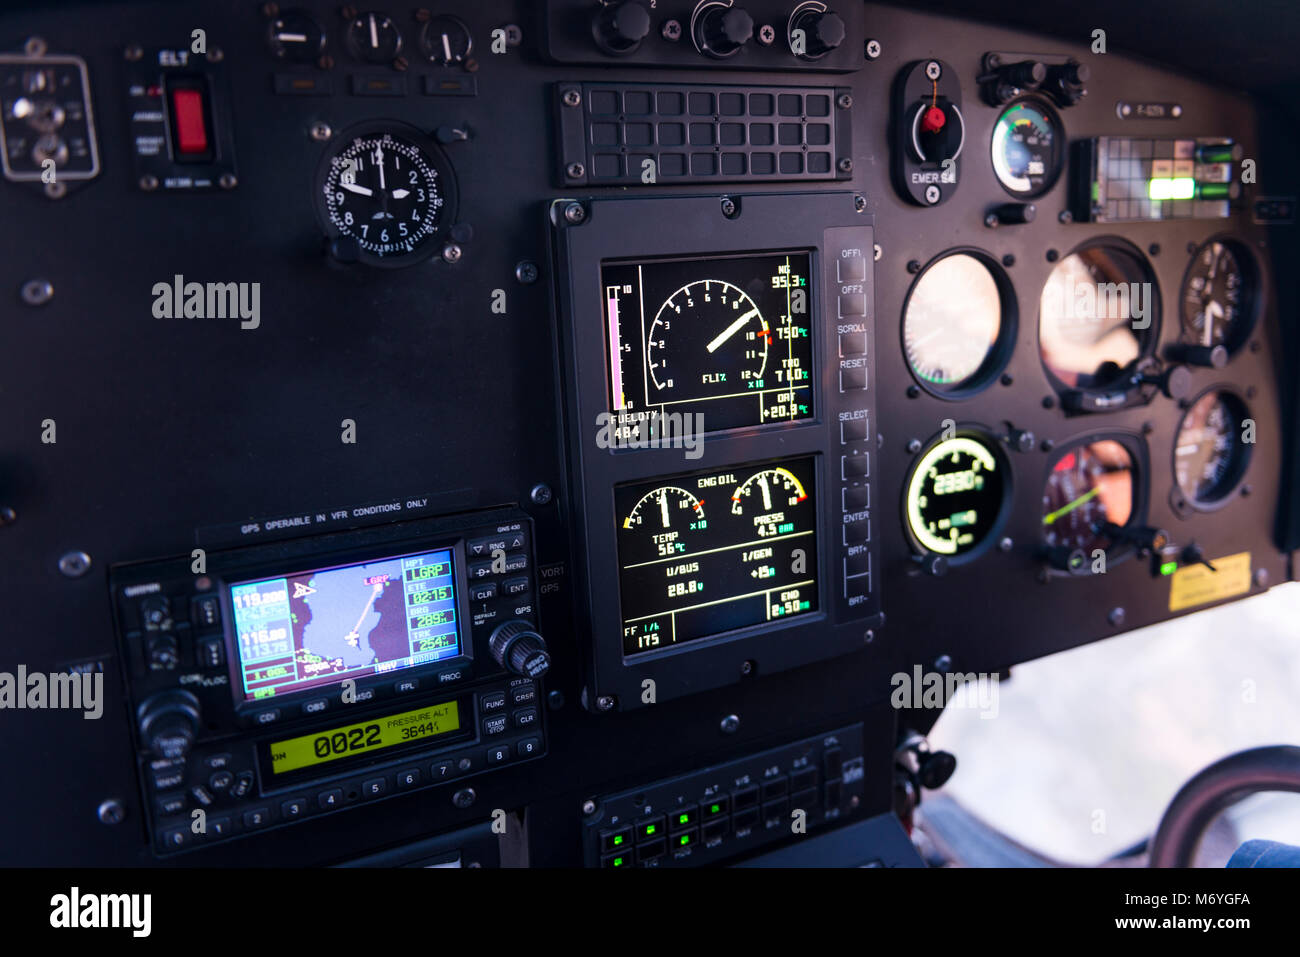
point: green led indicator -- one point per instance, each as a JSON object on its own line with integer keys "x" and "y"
{"x": 683, "y": 819}
{"x": 618, "y": 862}
{"x": 618, "y": 840}
{"x": 1164, "y": 187}
{"x": 684, "y": 839}
{"x": 714, "y": 809}
{"x": 650, "y": 829}
{"x": 1168, "y": 568}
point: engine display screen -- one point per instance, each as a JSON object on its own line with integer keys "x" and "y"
{"x": 318, "y": 627}
{"x": 710, "y": 552}
{"x": 364, "y": 737}
{"x": 726, "y": 339}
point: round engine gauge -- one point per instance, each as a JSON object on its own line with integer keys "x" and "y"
{"x": 1212, "y": 448}
{"x": 713, "y": 329}
{"x": 958, "y": 323}
{"x": 1218, "y": 296}
{"x": 1028, "y": 148}
{"x": 1098, "y": 315}
{"x": 1089, "y": 486}
{"x": 957, "y": 496}
{"x": 385, "y": 191}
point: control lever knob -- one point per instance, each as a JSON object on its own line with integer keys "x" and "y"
{"x": 823, "y": 32}
{"x": 1175, "y": 382}
{"x": 722, "y": 31}
{"x": 518, "y": 648}
{"x": 169, "y": 723}
{"x": 1213, "y": 357}
{"x": 619, "y": 27}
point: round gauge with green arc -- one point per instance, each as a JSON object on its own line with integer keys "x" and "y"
{"x": 957, "y": 495}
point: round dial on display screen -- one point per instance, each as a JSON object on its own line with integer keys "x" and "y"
{"x": 712, "y": 328}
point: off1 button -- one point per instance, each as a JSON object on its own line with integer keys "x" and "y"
{"x": 852, "y": 269}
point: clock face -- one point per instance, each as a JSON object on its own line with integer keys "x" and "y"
{"x": 388, "y": 191}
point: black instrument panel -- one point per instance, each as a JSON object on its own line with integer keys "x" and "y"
{"x": 778, "y": 429}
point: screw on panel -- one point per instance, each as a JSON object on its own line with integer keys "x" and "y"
{"x": 1007, "y": 379}
{"x": 1154, "y": 249}
{"x": 1049, "y": 402}
{"x": 914, "y": 266}
{"x": 914, "y": 446}
{"x": 1047, "y": 445}
{"x": 766, "y": 35}
{"x": 74, "y": 564}
{"x": 1261, "y": 578}
{"x": 133, "y": 52}
{"x": 451, "y": 253}
{"x": 111, "y": 811}
{"x": 7, "y": 516}
{"x": 871, "y": 49}
{"x": 575, "y": 171}
{"x": 216, "y": 55}
{"x": 56, "y": 190}
{"x": 747, "y": 667}
{"x": 526, "y": 272}
{"x": 729, "y": 208}
{"x": 540, "y": 494}
{"x": 860, "y": 204}
{"x": 572, "y": 97}
{"x": 1116, "y": 617}
{"x": 671, "y": 31}
{"x": 148, "y": 182}
{"x": 1006, "y": 544}
{"x": 400, "y": 64}
{"x": 932, "y": 194}
{"x": 37, "y": 292}
{"x": 845, "y": 165}
{"x": 869, "y": 637}
{"x": 1008, "y": 260}
{"x": 877, "y": 252}
{"x": 555, "y": 700}
{"x": 325, "y": 62}
{"x": 35, "y": 46}
{"x": 605, "y": 703}
{"x": 844, "y": 101}
{"x": 464, "y": 798}
{"x": 933, "y": 71}
{"x": 514, "y": 34}
{"x": 943, "y": 664}
{"x": 730, "y": 724}
{"x": 1053, "y": 255}
{"x": 992, "y": 221}
{"x": 228, "y": 181}
{"x": 913, "y": 391}
{"x": 1065, "y": 217}
{"x": 574, "y": 213}
{"x": 320, "y": 132}
{"x": 588, "y": 807}
{"x": 270, "y": 9}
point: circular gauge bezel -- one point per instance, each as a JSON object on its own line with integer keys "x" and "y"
{"x": 1251, "y": 276}
{"x": 359, "y": 51}
{"x": 1150, "y": 336}
{"x": 432, "y": 54}
{"x": 1240, "y": 466}
{"x": 435, "y": 157}
{"x": 982, "y": 436}
{"x": 1050, "y": 178}
{"x": 999, "y": 354}
{"x": 1140, "y": 457}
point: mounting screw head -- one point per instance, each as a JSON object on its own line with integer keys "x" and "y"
{"x": 540, "y": 494}
{"x": 588, "y": 807}
{"x": 844, "y": 101}
{"x": 845, "y": 165}
{"x": 943, "y": 664}
{"x": 575, "y": 171}
{"x": 451, "y": 253}
{"x": 872, "y": 49}
{"x": 574, "y": 213}
{"x": 572, "y": 97}
{"x": 605, "y": 703}
{"x": 37, "y": 292}
{"x": 914, "y": 446}
{"x": 526, "y": 272}
{"x": 74, "y": 564}
{"x": 671, "y": 30}
{"x": 730, "y": 724}
{"x": 111, "y": 811}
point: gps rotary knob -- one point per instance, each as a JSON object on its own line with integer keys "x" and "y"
{"x": 722, "y": 29}
{"x": 823, "y": 31}
{"x": 169, "y": 723}
{"x": 518, "y": 648}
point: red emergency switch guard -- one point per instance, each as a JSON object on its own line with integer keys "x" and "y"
{"x": 190, "y": 123}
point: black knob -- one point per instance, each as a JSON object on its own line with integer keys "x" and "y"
{"x": 519, "y": 649}
{"x": 1013, "y": 214}
{"x": 619, "y": 27}
{"x": 823, "y": 31}
{"x": 1214, "y": 357}
{"x": 931, "y": 564}
{"x": 169, "y": 723}
{"x": 1026, "y": 73}
{"x": 1066, "y": 82}
{"x": 936, "y": 768}
{"x": 1175, "y": 382}
{"x": 1072, "y": 560}
{"x": 722, "y": 31}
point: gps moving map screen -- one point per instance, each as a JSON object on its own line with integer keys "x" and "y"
{"x": 319, "y": 627}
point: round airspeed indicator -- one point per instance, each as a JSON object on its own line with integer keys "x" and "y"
{"x": 383, "y": 194}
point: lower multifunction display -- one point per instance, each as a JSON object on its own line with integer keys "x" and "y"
{"x": 725, "y": 338}
{"x": 719, "y": 812}
{"x": 299, "y": 678}
{"x": 714, "y": 551}
{"x": 317, "y": 627}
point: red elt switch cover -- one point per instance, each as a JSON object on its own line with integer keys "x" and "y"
{"x": 191, "y": 130}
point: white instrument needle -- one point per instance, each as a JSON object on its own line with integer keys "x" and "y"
{"x": 730, "y": 331}
{"x": 360, "y": 190}
{"x": 663, "y": 507}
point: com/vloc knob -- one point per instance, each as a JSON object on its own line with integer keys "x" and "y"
{"x": 720, "y": 28}
{"x": 814, "y": 30}
{"x": 168, "y": 723}
{"x": 518, "y": 648}
{"x": 619, "y": 27}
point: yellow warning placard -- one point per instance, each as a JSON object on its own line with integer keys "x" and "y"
{"x": 1197, "y": 585}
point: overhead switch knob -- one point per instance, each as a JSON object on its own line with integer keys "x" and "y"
{"x": 721, "y": 31}
{"x": 518, "y": 648}
{"x": 168, "y": 723}
{"x": 823, "y": 31}
{"x": 620, "y": 27}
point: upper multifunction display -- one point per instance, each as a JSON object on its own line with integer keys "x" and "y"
{"x": 714, "y": 551}
{"x": 726, "y": 339}
{"x": 321, "y": 626}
